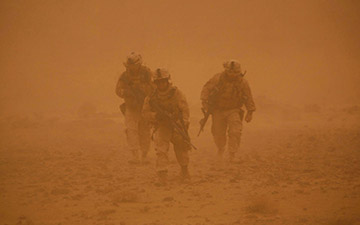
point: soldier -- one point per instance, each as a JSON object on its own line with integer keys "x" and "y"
{"x": 133, "y": 86}
{"x": 223, "y": 97}
{"x": 168, "y": 110}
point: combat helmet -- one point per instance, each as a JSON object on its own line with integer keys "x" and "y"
{"x": 233, "y": 66}
{"x": 133, "y": 58}
{"x": 161, "y": 74}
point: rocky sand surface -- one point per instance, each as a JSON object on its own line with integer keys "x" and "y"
{"x": 76, "y": 171}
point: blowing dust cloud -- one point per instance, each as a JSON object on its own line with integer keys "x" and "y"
{"x": 179, "y": 112}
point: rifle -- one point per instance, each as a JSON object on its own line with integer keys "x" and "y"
{"x": 207, "y": 113}
{"x": 178, "y": 127}
{"x": 203, "y": 120}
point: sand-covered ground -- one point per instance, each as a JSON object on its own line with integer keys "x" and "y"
{"x": 300, "y": 169}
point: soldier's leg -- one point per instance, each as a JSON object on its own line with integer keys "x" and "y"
{"x": 132, "y": 118}
{"x": 162, "y": 143}
{"x": 182, "y": 154}
{"x": 144, "y": 138}
{"x": 234, "y": 133}
{"x": 218, "y": 129}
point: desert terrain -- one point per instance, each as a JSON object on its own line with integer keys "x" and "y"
{"x": 294, "y": 167}
{"x": 63, "y": 151}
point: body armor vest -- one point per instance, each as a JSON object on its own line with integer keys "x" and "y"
{"x": 166, "y": 101}
{"x": 229, "y": 94}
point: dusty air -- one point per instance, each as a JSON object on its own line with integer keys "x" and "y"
{"x": 179, "y": 112}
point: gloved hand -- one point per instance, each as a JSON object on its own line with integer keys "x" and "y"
{"x": 205, "y": 106}
{"x": 202, "y": 121}
{"x": 248, "y": 116}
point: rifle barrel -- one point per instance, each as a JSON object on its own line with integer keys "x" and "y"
{"x": 180, "y": 130}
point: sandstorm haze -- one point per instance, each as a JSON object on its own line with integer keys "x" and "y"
{"x": 56, "y": 55}
{"x": 64, "y": 155}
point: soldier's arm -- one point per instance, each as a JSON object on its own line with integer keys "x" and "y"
{"x": 207, "y": 89}
{"x": 146, "y": 112}
{"x": 150, "y": 86}
{"x": 248, "y": 98}
{"x": 120, "y": 86}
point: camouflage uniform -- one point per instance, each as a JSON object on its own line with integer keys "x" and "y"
{"x": 225, "y": 98}
{"x": 173, "y": 102}
{"x": 133, "y": 87}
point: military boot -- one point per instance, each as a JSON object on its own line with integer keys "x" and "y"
{"x": 144, "y": 159}
{"x": 231, "y": 157}
{"x": 135, "y": 158}
{"x": 220, "y": 155}
{"x": 162, "y": 178}
{"x": 185, "y": 176}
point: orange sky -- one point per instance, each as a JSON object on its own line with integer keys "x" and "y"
{"x": 55, "y": 55}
